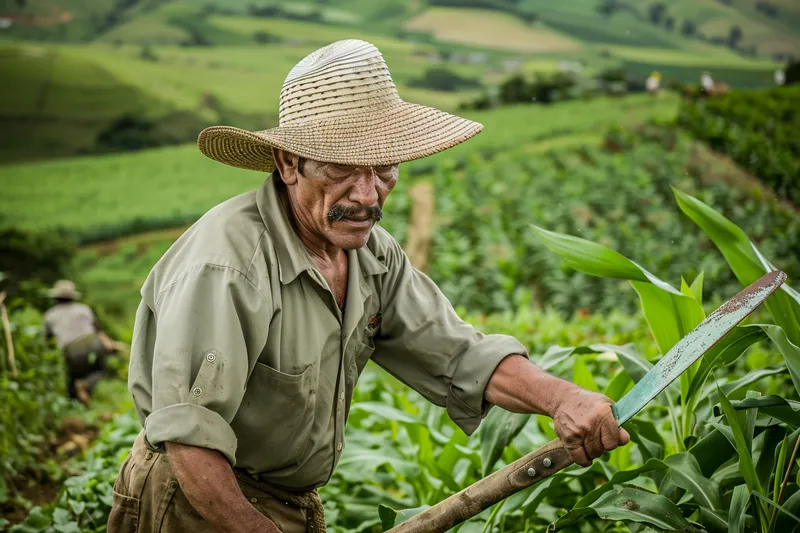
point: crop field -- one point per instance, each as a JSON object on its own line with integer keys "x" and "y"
{"x": 598, "y": 230}
{"x": 489, "y": 29}
{"x": 713, "y": 449}
{"x": 178, "y": 184}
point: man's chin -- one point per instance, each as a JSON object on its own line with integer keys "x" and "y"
{"x": 351, "y": 237}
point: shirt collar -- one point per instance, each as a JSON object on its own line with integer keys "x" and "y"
{"x": 292, "y": 254}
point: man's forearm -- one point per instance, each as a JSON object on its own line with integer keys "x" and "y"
{"x": 209, "y": 484}
{"x": 519, "y": 386}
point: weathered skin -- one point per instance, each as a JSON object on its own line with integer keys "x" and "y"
{"x": 208, "y": 482}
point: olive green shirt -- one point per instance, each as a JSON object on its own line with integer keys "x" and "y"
{"x": 239, "y": 345}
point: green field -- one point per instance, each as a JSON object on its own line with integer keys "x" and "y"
{"x": 175, "y": 185}
{"x": 98, "y": 119}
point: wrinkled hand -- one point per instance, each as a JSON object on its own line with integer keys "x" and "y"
{"x": 586, "y": 426}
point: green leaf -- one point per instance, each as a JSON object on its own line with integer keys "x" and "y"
{"x": 670, "y": 316}
{"x": 553, "y": 356}
{"x": 582, "y": 376}
{"x": 632, "y": 505}
{"x": 385, "y": 411}
{"x": 745, "y": 260}
{"x": 589, "y": 257}
{"x": 61, "y": 516}
{"x": 618, "y": 386}
{"x": 685, "y": 473}
{"x": 789, "y": 350}
{"x": 746, "y": 466}
{"x": 712, "y": 451}
{"x": 780, "y": 508}
{"x": 497, "y": 431}
{"x": 787, "y": 411}
{"x": 619, "y": 477}
{"x": 792, "y": 506}
{"x": 391, "y": 517}
{"x": 738, "y": 508}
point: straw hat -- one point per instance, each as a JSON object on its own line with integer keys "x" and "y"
{"x": 340, "y": 105}
{"x": 64, "y": 289}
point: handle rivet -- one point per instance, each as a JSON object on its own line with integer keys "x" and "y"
{"x": 532, "y": 472}
{"x": 547, "y": 462}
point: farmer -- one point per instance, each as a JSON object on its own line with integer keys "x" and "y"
{"x": 77, "y": 332}
{"x": 254, "y": 327}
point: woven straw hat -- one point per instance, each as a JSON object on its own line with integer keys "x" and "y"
{"x": 340, "y": 105}
{"x": 65, "y": 289}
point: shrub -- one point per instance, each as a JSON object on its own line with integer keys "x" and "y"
{"x": 759, "y": 129}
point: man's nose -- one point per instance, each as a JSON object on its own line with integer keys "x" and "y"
{"x": 364, "y": 191}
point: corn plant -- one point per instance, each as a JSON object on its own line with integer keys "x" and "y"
{"x": 719, "y": 455}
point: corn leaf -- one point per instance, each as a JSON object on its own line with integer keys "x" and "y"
{"x": 685, "y": 473}
{"x": 747, "y": 263}
{"x": 746, "y": 466}
{"x": 738, "y": 508}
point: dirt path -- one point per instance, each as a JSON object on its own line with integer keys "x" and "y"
{"x": 141, "y": 240}
{"x": 420, "y": 224}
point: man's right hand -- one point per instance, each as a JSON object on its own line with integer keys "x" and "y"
{"x": 208, "y": 482}
{"x": 586, "y": 426}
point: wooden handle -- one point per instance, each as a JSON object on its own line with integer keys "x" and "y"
{"x": 486, "y": 492}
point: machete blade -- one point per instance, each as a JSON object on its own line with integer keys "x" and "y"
{"x": 697, "y": 342}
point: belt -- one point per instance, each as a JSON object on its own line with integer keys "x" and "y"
{"x": 308, "y": 500}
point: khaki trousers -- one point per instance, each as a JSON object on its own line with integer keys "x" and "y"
{"x": 148, "y": 499}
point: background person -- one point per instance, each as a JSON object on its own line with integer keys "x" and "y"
{"x": 76, "y": 330}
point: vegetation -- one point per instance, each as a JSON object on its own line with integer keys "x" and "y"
{"x": 33, "y": 396}
{"x": 717, "y": 450}
{"x": 759, "y": 130}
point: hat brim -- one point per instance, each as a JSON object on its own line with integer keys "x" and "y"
{"x": 396, "y": 134}
{"x": 64, "y": 295}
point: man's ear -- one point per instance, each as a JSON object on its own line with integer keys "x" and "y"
{"x": 286, "y": 163}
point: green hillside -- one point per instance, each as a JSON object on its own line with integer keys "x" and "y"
{"x": 108, "y": 76}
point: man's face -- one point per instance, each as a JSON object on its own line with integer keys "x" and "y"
{"x": 339, "y": 204}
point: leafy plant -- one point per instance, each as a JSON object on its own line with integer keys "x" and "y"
{"x": 749, "y": 439}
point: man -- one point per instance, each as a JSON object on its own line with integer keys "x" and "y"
{"x": 79, "y": 335}
{"x": 256, "y": 324}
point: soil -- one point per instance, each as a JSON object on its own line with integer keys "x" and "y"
{"x": 74, "y": 437}
{"x": 420, "y": 224}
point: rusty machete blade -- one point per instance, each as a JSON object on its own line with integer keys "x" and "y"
{"x": 697, "y": 342}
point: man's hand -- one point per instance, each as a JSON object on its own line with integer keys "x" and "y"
{"x": 585, "y": 424}
{"x": 208, "y": 482}
{"x": 583, "y": 419}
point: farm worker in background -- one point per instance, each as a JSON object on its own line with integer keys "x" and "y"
{"x": 79, "y": 335}
{"x": 256, "y": 324}
{"x": 780, "y": 77}
{"x": 653, "y": 83}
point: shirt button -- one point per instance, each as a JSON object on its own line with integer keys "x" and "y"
{"x": 211, "y": 357}
{"x": 197, "y": 391}
{"x": 339, "y": 447}
{"x": 148, "y": 455}
{"x": 173, "y": 484}
{"x": 254, "y": 500}
{"x": 341, "y": 397}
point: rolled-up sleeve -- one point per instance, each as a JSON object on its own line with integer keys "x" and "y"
{"x": 211, "y": 326}
{"x": 424, "y": 343}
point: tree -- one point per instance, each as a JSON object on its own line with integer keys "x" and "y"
{"x": 735, "y": 37}
{"x": 657, "y": 12}
{"x": 670, "y": 23}
{"x": 688, "y": 28}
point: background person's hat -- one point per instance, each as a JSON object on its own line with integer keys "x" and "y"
{"x": 340, "y": 105}
{"x": 64, "y": 289}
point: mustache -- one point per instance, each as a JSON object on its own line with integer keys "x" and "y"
{"x": 340, "y": 212}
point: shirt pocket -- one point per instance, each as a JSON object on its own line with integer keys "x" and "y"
{"x": 283, "y": 405}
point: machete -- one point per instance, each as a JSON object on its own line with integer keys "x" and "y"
{"x": 552, "y": 457}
